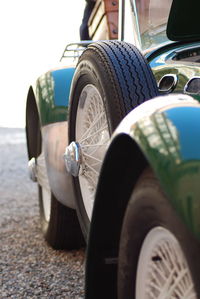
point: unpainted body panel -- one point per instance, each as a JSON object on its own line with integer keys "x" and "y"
{"x": 55, "y": 141}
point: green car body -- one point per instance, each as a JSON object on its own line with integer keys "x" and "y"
{"x": 162, "y": 134}
{"x": 175, "y": 160}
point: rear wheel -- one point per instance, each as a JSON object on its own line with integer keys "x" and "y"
{"x": 111, "y": 79}
{"x": 60, "y": 224}
{"x": 158, "y": 258}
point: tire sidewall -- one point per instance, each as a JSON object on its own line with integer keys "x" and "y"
{"x": 90, "y": 72}
{"x": 147, "y": 209}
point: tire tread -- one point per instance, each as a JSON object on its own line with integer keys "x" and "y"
{"x": 131, "y": 75}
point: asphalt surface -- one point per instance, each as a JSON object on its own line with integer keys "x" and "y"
{"x": 29, "y": 268}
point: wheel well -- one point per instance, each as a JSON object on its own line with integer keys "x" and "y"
{"x": 32, "y": 125}
{"x": 123, "y": 164}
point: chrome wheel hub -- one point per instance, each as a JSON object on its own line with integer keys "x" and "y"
{"x": 73, "y": 158}
{"x": 84, "y": 157}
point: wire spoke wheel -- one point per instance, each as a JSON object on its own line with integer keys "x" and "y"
{"x": 111, "y": 79}
{"x": 162, "y": 269}
{"x": 93, "y": 136}
{"x": 158, "y": 255}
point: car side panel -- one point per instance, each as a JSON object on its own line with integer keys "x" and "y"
{"x": 55, "y": 140}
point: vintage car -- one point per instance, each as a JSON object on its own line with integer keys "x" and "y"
{"x": 114, "y": 145}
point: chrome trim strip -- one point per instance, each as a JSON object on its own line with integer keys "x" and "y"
{"x": 121, "y": 19}
{"x": 187, "y": 85}
{"x": 173, "y": 84}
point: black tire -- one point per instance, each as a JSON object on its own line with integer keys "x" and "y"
{"x": 62, "y": 229}
{"x": 124, "y": 80}
{"x": 149, "y": 209}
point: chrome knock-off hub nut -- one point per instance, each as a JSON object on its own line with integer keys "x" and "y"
{"x": 73, "y": 158}
{"x": 32, "y": 168}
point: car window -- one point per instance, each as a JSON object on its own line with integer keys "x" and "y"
{"x": 152, "y": 20}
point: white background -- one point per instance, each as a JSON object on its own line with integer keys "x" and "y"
{"x": 33, "y": 34}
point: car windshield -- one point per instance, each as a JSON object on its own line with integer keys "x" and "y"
{"x": 152, "y": 21}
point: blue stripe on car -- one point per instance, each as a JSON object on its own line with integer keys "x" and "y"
{"x": 62, "y": 83}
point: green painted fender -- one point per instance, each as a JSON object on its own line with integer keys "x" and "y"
{"x": 167, "y": 130}
{"x": 52, "y": 93}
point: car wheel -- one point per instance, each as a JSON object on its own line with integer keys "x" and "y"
{"x": 159, "y": 257}
{"x": 110, "y": 80}
{"x": 59, "y": 223}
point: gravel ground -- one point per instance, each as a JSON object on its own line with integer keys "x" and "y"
{"x": 29, "y": 268}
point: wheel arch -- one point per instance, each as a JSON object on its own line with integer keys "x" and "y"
{"x": 32, "y": 124}
{"x": 116, "y": 183}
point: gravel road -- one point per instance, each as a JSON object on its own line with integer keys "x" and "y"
{"x": 29, "y": 268}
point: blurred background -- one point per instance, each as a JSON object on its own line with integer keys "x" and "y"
{"x": 32, "y": 39}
